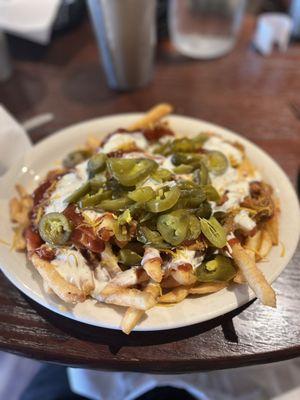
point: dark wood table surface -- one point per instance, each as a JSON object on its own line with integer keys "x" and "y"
{"x": 244, "y": 92}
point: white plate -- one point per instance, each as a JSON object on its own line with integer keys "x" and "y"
{"x": 49, "y": 152}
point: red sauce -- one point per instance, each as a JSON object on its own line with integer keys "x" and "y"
{"x": 233, "y": 241}
{"x": 82, "y": 236}
{"x": 39, "y": 192}
{"x": 33, "y": 239}
{"x": 74, "y": 217}
{"x": 45, "y": 253}
{"x": 185, "y": 267}
{"x": 157, "y": 132}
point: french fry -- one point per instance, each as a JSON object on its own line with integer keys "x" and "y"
{"x": 109, "y": 261}
{"x": 131, "y": 298}
{"x": 127, "y": 278}
{"x": 206, "y": 288}
{"x": 152, "y": 116}
{"x": 19, "y": 242}
{"x": 108, "y": 290}
{"x": 22, "y": 192}
{"x": 239, "y": 278}
{"x": 254, "y": 276}
{"x": 169, "y": 283}
{"x": 92, "y": 143}
{"x": 151, "y": 263}
{"x": 174, "y": 296}
{"x": 63, "y": 289}
{"x": 265, "y": 244}
{"x": 183, "y": 275}
{"x": 253, "y": 244}
{"x": 132, "y": 315}
{"x": 130, "y": 277}
{"x": 272, "y": 225}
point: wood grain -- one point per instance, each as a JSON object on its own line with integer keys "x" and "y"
{"x": 244, "y": 92}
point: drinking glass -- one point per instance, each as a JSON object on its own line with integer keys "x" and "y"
{"x": 205, "y": 28}
{"x": 126, "y": 36}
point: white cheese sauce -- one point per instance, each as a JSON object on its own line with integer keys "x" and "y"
{"x": 72, "y": 266}
{"x": 244, "y": 222}
{"x": 92, "y": 216}
{"x": 65, "y": 187}
{"x": 231, "y": 182}
{"x": 167, "y": 163}
{"x": 120, "y": 141}
{"x": 183, "y": 256}
{"x": 101, "y": 278}
{"x": 219, "y": 144}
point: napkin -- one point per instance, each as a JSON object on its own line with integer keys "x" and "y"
{"x": 31, "y": 19}
{"x": 272, "y": 29}
{"x": 13, "y": 140}
{"x": 259, "y": 382}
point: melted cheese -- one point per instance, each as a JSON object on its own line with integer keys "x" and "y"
{"x": 101, "y": 278}
{"x": 244, "y": 222}
{"x": 167, "y": 163}
{"x": 92, "y": 216}
{"x": 231, "y": 152}
{"x": 71, "y": 265}
{"x": 65, "y": 187}
{"x": 120, "y": 141}
{"x": 235, "y": 186}
{"x": 183, "y": 256}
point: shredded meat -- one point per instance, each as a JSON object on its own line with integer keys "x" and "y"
{"x": 260, "y": 200}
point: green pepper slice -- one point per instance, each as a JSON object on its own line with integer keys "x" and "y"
{"x": 142, "y": 194}
{"x": 213, "y": 231}
{"x": 204, "y": 210}
{"x": 219, "y": 269}
{"x": 211, "y": 193}
{"x": 79, "y": 193}
{"x": 201, "y": 176}
{"x": 96, "y": 164}
{"x": 54, "y": 228}
{"x": 173, "y": 227}
{"x": 183, "y": 169}
{"x": 199, "y": 140}
{"x": 160, "y": 205}
{"x": 94, "y": 199}
{"x": 76, "y": 157}
{"x": 115, "y": 205}
{"x": 194, "y": 228}
{"x": 129, "y": 172}
{"x": 147, "y": 236}
{"x": 97, "y": 182}
{"x": 162, "y": 175}
{"x": 217, "y": 163}
{"x": 129, "y": 258}
{"x": 186, "y": 158}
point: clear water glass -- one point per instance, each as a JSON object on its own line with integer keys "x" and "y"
{"x": 205, "y": 28}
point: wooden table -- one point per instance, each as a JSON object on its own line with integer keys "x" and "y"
{"x": 244, "y": 92}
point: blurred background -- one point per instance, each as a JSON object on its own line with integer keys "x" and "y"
{"x": 64, "y": 61}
